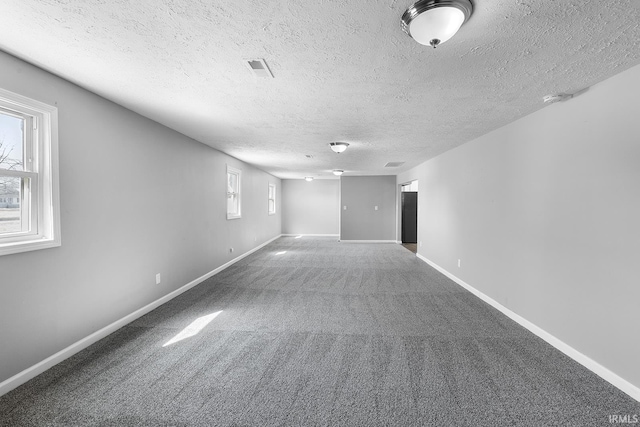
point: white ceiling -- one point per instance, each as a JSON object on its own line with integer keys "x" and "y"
{"x": 344, "y": 70}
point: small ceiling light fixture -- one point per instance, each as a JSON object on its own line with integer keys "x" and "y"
{"x": 338, "y": 147}
{"x": 338, "y": 172}
{"x": 308, "y": 178}
{"x": 433, "y": 22}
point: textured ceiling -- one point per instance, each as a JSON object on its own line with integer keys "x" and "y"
{"x": 344, "y": 70}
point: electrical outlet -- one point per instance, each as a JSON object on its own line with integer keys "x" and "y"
{"x": 230, "y": 250}
{"x": 158, "y": 279}
{"x": 344, "y": 208}
{"x": 420, "y": 243}
{"x": 458, "y": 263}
{"x": 375, "y": 208}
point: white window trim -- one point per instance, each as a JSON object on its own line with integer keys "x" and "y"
{"x": 237, "y": 172}
{"x": 45, "y": 200}
{"x": 269, "y": 199}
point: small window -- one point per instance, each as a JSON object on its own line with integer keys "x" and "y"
{"x": 233, "y": 193}
{"x": 272, "y": 199}
{"x": 29, "y": 209}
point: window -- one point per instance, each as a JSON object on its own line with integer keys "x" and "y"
{"x": 29, "y": 213}
{"x": 272, "y": 199}
{"x": 233, "y": 193}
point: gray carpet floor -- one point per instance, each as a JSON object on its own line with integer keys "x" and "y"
{"x": 312, "y": 332}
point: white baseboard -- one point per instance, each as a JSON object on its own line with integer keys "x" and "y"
{"x": 367, "y": 241}
{"x": 310, "y": 235}
{"x": 585, "y": 361}
{"x": 29, "y": 373}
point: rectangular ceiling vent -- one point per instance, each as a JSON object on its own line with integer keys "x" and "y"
{"x": 259, "y": 67}
{"x": 393, "y": 164}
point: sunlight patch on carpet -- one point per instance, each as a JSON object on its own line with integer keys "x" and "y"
{"x": 193, "y": 329}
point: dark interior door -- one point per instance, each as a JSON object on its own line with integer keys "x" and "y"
{"x": 409, "y": 203}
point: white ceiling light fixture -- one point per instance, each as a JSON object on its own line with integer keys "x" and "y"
{"x": 338, "y": 147}
{"x": 433, "y": 22}
{"x": 338, "y": 172}
{"x": 308, "y": 178}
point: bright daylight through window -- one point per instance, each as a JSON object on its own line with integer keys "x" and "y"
{"x": 233, "y": 193}
{"x": 272, "y": 199}
{"x": 28, "y": 175}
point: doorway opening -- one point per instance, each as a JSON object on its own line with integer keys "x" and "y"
{"x": 409, "y": 215}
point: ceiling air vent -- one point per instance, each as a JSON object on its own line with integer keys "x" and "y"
{"x": 258, "y": 67}
{"x": 393, "y": 164}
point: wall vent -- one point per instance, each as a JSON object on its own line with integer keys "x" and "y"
{"x": 393, "y": 164}
{"x": 259, "y": 67}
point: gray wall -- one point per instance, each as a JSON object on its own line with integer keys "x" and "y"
{"x": 310, "y": 207}
{"x": 544, "y": 214}
{"x": 136, "y": 199}
{"x": 360, "y": 221}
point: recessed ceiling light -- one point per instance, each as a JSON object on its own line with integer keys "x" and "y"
{"x": 338, "y": 147}
{"x": 308, "y": 178}
{"x": 338, "y": 172}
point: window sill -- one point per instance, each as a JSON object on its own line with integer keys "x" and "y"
{"x": 28, "y": 245}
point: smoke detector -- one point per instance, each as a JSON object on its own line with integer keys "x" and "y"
{"x": 550, "y": 99}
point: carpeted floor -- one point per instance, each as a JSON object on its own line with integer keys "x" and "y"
{"x": 312, "y": 332}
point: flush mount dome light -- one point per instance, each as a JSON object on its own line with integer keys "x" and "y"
{"x": 338, "y": 172}
{"x": 433, "y": 22}
{"x": 338, "y": 147}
